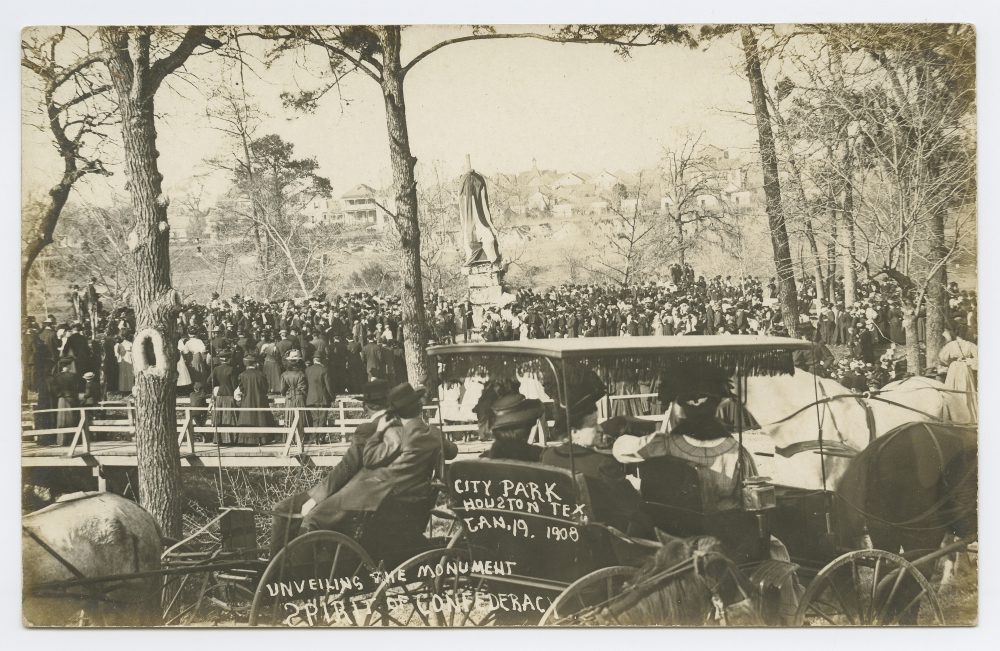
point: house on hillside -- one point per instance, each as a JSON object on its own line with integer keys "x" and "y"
{"x": 540, "y": 199}
{"x": 317, "y": 211}
{"x": 570, "y": 179}
{"x": 362, "y": 207}
{"x": 606, "y": 181}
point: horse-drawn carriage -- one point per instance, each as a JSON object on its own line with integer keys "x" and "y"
{"x": 549, "y": 530}
{"x": 521, "y": 542}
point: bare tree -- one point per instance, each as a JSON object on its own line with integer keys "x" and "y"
{"x": 139, "y": 59}
{"x": 787, "y": 292}
{"x": 90, "y": 241}
{"x": 689, "y": 178}
{"x": 632, "y": 237}
{"x": 75, "y": 111}
{"x": 273, "y": 192}
{"x": 888, "y": 112}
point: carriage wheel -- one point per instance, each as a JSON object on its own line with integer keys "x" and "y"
{"x": 582, "y": 603}
{"x": 423, "y": 591}
{"x": 869, "y": 587}
{"x": 318, "y": 579}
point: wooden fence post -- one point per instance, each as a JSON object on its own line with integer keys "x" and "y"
{"x": 293, "y": 434}
{"x": 341, "y": 418}
{"x": 102, "y": 482}
{"x": 187, "y": 431}
{"x": 81, "y": 433}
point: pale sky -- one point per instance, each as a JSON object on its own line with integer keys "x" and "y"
{"x": 505, "y": 102}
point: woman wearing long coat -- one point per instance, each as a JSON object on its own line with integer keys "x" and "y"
{"x": 294, "y": 388}
{"x": 253, "y": 387}
{"x": 66, "y": 387}
{"x": 223, "y": 380}
{"x": 272, "y": 364}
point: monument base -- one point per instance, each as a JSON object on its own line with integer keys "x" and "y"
{"x": 485, "y": 288}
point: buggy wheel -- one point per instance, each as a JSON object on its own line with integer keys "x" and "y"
{"x": 317, "y": 579}
{"x": 431, "y": 589}
{"x": 869, "y": 587}
{"x": 582, "y": 603}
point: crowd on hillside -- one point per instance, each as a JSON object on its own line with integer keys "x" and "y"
{"x": 870, "y": 333}
{"x": 240, "y": 350}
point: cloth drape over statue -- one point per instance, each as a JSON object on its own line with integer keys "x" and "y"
{"x": 478, "y": 234}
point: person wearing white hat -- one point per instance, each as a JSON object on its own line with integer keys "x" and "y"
{"x": 295, "y": 388}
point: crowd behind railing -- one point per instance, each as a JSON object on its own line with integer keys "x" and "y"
{"x": 239, "y": 359}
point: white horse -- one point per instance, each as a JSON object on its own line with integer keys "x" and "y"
{"x": 90, "y": 535}
{"x": 798, "y": 412}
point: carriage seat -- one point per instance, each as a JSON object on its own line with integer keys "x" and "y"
{"x": 673, "y": 494}
{"x": 397, "y": 529}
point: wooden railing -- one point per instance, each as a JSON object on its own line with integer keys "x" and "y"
{"x": 340, "y": 420}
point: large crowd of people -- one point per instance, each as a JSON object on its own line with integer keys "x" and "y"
{"x": 244, "y": 351}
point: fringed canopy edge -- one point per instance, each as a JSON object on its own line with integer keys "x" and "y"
{"x": 614, "y": 367}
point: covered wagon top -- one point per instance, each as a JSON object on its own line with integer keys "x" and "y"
{"x": 623, "y": 358}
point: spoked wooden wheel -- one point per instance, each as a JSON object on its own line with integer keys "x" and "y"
{"x": 582, "y": 603}
{"x": 869, "y": 587}
{"x": 432, "y": 589}
{"x": 322, "y": 578}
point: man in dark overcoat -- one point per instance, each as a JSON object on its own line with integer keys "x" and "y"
{"x": 285, "y": 527}
{"x": 252, "y": 384}
{"x": 319, "y": 389}
{"x": 398, "y": 460}
{"x": 372, "y": 356}
{"x": 79, "y": 348}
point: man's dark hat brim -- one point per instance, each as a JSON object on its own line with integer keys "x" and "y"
{"x": 405, "y": 395}
{"x": 376, "y": 392}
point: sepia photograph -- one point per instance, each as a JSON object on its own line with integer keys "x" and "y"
{"x": 499, "y": 325}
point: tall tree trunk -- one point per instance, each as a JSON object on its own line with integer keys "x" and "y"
{"x": 787, "y": 295}
{"x": 156, "y": 303}
{"x": 831, "y": 257}
{"x": 817, "y": 269}
{"x": 847, "y": 231}
{"x": 680, "y": 239}
{"x": 937, "y": 288}
{"x": 406, "y": 218}
{"x": 793, "y": 164}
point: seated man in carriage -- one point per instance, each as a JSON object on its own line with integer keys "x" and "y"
{"x": 398, "y": 457}
{"x": 284, "y": 527}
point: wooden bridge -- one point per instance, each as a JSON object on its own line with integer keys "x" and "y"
{"x": 291, "y": 442}
{"x": 85, "y": 444}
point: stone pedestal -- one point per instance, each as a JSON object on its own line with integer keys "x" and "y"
{"x": 485, "y": 288}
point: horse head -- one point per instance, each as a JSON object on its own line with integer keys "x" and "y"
{"x": 814, "y": 423}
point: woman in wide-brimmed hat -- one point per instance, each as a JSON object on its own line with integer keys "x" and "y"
{"x": 223, "y": 381}
{"x": 294, "y": 388}
{"x": 272, "y": 362}
{"x": 513, "y": 418}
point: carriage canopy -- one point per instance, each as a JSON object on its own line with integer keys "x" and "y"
{"x": 620, "y": 359}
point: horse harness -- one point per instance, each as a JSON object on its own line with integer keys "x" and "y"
{"x": 696, "y": 563}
